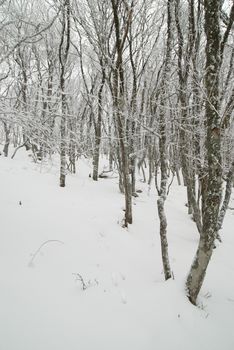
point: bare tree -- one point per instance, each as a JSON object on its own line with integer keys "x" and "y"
{"x": 162, "y": 191}
{"x": 63, "y": 56}
{"x": 119, "y": 99}
{"x": 213, "y": 178}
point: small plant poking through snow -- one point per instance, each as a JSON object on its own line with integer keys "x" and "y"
{"x": 84, "y": 285}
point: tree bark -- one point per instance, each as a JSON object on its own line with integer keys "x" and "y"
{"x": 228, "y": 192}
{"x": 163, "y": 148}
{"x": 98, "y": 127}
{"x": 212, "y": 195}
{"x": 63, "y": 55}
{"x": 7, "y": 139}
{"x": 119, "y": 102}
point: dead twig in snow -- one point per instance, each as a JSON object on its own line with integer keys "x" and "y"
{"x": 30, "y": 264}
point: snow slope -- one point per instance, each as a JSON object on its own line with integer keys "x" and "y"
{"x": 126, "y": 305}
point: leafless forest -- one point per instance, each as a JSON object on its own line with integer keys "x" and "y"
{"x": 146, "y": 83}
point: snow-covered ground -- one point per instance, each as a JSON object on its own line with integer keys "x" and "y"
{"x": 126, "y": 305}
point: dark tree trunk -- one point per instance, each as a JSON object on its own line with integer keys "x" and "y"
{"x": 119, "y": 104}
{"x": 7, "y": 139}
{"x": 228, "y": 192}
{"x": 63, "y": 55}
{"x": 98, "y": 128}
{"x": 184, "y": 61}
{"x": 212, "y": 194}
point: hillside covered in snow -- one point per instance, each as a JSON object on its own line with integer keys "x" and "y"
{"x": 71, "y": 277}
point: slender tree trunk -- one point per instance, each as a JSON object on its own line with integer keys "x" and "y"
{"x": 72, "y": 142}
{"x": 183, "y": 73}
{"x": 161, "y": 201}
{"x": 163, "y": 148}
{"x": 119, "y": 104}
{"x": 111, "y": 156}
{"x": 63, "y": 134}
{"x": 7, "y": 139}
{"x": 98, "y": 128}
{"x": 228, "y": 192}
{"x": 63, "y": 55}
{"x": 21, "y": 60}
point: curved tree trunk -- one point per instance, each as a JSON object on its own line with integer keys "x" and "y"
{"x": 163, "y": 147}
{"x": 212, "y": 195}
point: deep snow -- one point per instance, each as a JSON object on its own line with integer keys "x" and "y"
{"x": 127, "y": 304}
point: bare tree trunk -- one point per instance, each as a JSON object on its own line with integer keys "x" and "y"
{"x": 212, "y": 195}
{"x": 183, "y": 73}
{"x": 22, "y": 62}
{"x": 163, "y": 148}
{"x": 7, "y": 139}
{"x": 98, "y": 127}
{"x": 161, "y": 201}
{"x": 228, "y": 192}
{"x": 63, "y": 55}
{"x": 132, "y": 123}
{"x": 118, "y": 95}
{"x": 72, "y": 142}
